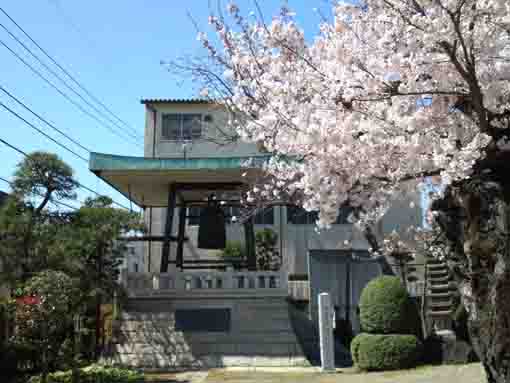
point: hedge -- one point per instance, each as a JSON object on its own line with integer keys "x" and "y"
{"x": 385, "y": 308}
{"x": 373, "y": 352}
{"x": 355, "y": 343}
{"x": 94, "y": 374}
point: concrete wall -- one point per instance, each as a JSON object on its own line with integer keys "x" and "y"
{"x": 260, "y": 334}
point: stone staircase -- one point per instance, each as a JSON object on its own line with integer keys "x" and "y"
{"x": 440, "y": 288}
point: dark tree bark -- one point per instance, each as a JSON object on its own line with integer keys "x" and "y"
{"x": 475, "y": 218}
{"x": 97, "y": 348}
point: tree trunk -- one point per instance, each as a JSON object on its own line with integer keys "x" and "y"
{"x": 97, "y": 348}
{"x": 475, "y": 217}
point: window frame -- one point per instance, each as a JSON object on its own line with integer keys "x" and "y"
{"x": 181, "y": 119}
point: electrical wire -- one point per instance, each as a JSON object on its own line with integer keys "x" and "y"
{"x": 73, "y": 79}
{"x": 41, "y": 132}
{"x": 64, "y": 81}
{"x": 66, "y": 96}
{"x": 77, "y": 183}
{"x": 43, "y": 119}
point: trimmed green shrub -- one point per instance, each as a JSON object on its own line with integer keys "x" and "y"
{"x": 233, "y": 249}
{"x": 94, "y": 374}
{"x": 373, "y": 352}
{"x": 358, "y": 339}
{"x": 385, "y": 308}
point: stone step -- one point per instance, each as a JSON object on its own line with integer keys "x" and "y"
{"x": 172, "y": 337}
{"x": 439, "y": 280}
{"x": 440, "y": 302}
{"x": 434, "y": 261}
{"x": 440, "y": 305}
{"x": 445, "y": 287}
{"x": 438, "y": 273}
{"x": 200, "y": 349}
{"x": 439, "y": 313}
{"x": 437, "y": 266}
{"x": 439, "y": 295}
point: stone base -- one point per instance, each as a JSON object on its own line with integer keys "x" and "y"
{"x": 260, "y": 335}
{"x": 455, "y": 350}
{"x": 444, "y": 347}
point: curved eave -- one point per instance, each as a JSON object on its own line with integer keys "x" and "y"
{"x": 146, "y": 181}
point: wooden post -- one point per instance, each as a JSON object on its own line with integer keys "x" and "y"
{"x": 180, "y": 237}
{"x": 249, "y": 236}
{"x": 165, "y": 252}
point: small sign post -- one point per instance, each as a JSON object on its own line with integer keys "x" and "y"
{"x": 326, "y": 333}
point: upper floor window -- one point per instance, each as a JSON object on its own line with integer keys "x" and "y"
{"x": 181, "y": 126}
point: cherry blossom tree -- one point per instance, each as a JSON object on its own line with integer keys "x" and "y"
{"x": 388, "y": 91}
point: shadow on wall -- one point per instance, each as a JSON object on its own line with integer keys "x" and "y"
{"x": 307, "y": 334}
{"x": 168, "y": 335}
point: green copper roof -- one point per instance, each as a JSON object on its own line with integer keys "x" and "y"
{"x": 106, "y": 162}
{"x": 145, "y": 181}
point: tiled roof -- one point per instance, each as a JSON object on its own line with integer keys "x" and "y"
{"x": 174, "y": 101}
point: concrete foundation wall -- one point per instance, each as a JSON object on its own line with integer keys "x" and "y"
{"x": 260, "y": 334}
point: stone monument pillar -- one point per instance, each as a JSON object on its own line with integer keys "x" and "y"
{"x": 326, "y": 333}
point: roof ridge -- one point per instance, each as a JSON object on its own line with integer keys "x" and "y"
{"x": 175, "y": 101}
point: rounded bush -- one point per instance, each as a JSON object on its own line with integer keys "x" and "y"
{"x": 385, "y": 308}
{"x": 358, "y": 339}
{"x": 373, "y": 352}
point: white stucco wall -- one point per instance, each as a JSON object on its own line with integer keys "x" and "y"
{"x": 207, "y": 146}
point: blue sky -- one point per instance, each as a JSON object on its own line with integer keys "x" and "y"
{"x": 114, "y": 49}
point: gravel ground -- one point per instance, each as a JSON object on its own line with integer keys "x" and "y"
{"x": 470, "y": 373}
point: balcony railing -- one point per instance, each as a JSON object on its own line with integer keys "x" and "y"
{"x": 207, "y": 282}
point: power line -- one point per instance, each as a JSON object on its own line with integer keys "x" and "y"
{"x": 51, "y": 201}
{"x": 77, "y": 183}
{"x": 41, "y": 132}
{"x": 62, "y": 93}
{"x": 43, "y": 120}
{"x": 73, "y": 79}
{"x": 64, "y": 82}
{"x": 68, "y": 20}
{"x": 13, "y": 147}
{"x": 52, "y": 126}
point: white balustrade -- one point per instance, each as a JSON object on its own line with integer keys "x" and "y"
{"x": 204, "y": 280}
